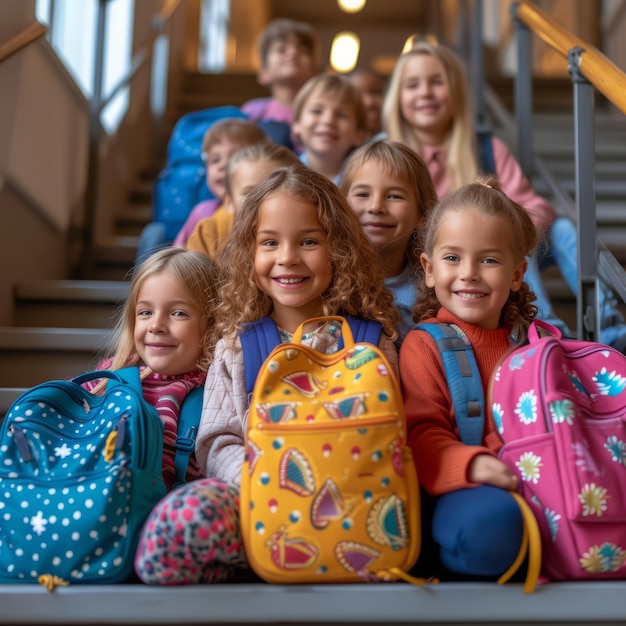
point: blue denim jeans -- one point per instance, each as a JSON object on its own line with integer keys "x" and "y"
{"x": 562, "y": 251}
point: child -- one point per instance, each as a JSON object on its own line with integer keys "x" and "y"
{"x": 164, "y": 328}
{"x": 329, "y": 122}
{"x": 427, "y": 108}
{"x": 372, "y": 88}
{"x": 246, "y": 168}
{"x": 219, "y": 142}
{"x": 476, "y": 242}
{"x": 289, "y": 52}
{"x": 296, "y": 251}
{"x": 390, "y": 190}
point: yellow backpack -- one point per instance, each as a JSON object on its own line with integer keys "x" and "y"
{"x": 329, "y": 492}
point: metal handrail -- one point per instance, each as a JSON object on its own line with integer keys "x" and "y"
{"x": 588, "y": 68}
{"x": 600, "y": 71}
{"x": 21, "y": 40}
{"x": 98, "y": 103}
{"x": 144, "y": 54}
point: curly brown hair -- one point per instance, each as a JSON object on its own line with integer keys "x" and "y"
{"x": 486, "y": 196}
{"x": 357, "y": 287}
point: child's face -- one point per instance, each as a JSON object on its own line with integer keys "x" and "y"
{"x": 291, "y": 258}
{"x": 217, "y": 160}
{"x": 246, "y": 176}
{"x": 168, "y": 327}
{"x": 425, "y": 98}
{"x": 327, "y": 127}
{"x": 372, "y": 89}
{"x": 472, "y": 266}
{"x": 387, "y": 210}
{"x": 288, "y": 63}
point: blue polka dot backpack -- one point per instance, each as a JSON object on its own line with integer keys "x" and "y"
{"x": 79, "y": 473}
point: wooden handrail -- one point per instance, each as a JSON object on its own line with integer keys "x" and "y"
{"x": 600, "y": 71}
{"x": 21, "y": 40}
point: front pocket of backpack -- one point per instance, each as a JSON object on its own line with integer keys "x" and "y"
{"x": 74, "y": 529}
{"x": 317, "y": 489}
{"x": 592, "y": 454}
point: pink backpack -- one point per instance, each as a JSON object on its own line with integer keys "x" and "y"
{"x": 560, "y": 408}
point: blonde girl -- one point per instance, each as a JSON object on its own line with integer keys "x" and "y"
{"x": 476, "y": 242}
{"x": 296, "y": 251}
{"x": 165, "y": 327}
{"x": 427, "y": 108}
{"x": 390, "y": 190}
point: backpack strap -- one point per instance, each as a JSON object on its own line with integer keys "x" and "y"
{"x": 259, "y": 338}
{"x": 486, "y": 159}
{"x": 367, "y": 331}
{"x": 463, "y": 379}
{"x": 188, "y": 421}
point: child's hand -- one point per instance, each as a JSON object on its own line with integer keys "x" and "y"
{"x": 488, "y": 470}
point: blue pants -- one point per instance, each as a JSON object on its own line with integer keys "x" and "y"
{"x": 478, "y": 530}
{"x": 562, "y": 251}
{"x": 152, "y": 238}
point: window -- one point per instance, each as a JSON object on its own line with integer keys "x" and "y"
{"x": 73, "y": 29}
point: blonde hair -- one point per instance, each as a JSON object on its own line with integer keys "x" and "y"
{"x": 198, "y": 276}
{"x": 400, "y": 162}
{"x": 238, "y": 130}
{"x": 275, "y": 153}
{"x": 280, "y": 28}
{"x": 486, "y": 196}
{"x": 461, "y": 161}
{"x": 357, "y": 286}
{"x": 335, "y": 86}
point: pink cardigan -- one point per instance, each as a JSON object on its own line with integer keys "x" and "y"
{"x": 510, "y": 174}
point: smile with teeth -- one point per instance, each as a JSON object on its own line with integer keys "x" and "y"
{"x": 290, "y": 281}
{"x": 470, "y": 295}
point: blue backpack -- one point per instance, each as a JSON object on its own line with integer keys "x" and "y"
{"x": 259, "y": 338}
{"x": 79, "y": 475}
{"x": 182, "y": 183}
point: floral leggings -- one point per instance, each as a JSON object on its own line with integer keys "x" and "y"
{"x": 192, "y": 536}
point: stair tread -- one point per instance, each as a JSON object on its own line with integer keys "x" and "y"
{"x": 48, "y": 339}
{"x": 72, "y": 290}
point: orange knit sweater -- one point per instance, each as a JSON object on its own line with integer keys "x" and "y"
{"x": 441, "y": 459}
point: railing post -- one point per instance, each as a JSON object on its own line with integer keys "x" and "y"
{"x": 523, "y": 93}
{"x": 93, "y": 170}
{"x": 477, "y": 67}
{"x": 587, "y": 305}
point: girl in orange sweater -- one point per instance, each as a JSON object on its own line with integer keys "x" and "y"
{"x": 476, "y": 241}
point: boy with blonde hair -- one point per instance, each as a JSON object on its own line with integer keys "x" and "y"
{"x": 329, "y": 122}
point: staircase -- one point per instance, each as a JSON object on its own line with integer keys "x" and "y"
{"x": 61, "y": 326}
{"x": 553, "y": 140}
{"x": 58, "y": 330}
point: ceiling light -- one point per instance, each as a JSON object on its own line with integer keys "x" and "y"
{"x": 351, "y": 6}
{"x": 344, "y": 52}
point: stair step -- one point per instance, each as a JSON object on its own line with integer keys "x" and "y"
{"x": 29, "y": 356}
{"x": 68, "y": 303}
{"x": 115, "y": 258}
{"x": 8, "y": 395}
{"x": 132, "y": 220}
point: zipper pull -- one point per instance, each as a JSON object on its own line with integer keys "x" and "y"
{"x": 19, "y": 436}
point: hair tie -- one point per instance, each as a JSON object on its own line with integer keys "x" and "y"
{"x": 486, "y": 185}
